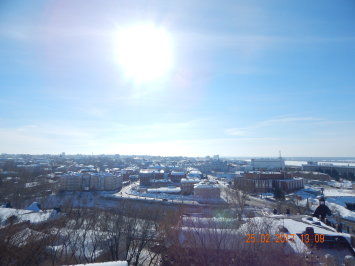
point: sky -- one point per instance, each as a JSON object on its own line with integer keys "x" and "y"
{"x": 190, "y": 78}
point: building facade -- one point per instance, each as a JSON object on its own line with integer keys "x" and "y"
{"x": 145, "y": 175}
{"x": 90, "y": 181}
{"x": 187, "y": 185}
{"x": 267, "y": 181}
{"x": 265, "y": 164}
{"x": 176, "y": 176}
{"x": 207, "y": 191}
{"x": 341, "y": 169}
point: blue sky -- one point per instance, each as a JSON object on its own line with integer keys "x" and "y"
{"x": 247, "y": 78}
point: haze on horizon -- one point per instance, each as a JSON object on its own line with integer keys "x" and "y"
{"x": 242, "y": 78}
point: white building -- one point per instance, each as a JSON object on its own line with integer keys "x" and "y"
{"x": 268, "y": 164}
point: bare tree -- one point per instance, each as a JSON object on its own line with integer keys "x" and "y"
{"x": 237, "y": 200}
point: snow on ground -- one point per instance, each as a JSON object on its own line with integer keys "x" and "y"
{"x": 79, "y": 199}
{"x": 132, "y": 190}
{"x": 338, "y": 193}
{"x": 159, "y": 195}
{"x": 345, "y": 184}
{"x": 335, "y": 200}
{"x": 111, "y": 263}
{"x": 171, "y": 189}
{"x": 267, "y": 195}
{"x": 24, "y": 215}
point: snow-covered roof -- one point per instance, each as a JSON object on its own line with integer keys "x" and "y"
{"x": 177, "y": 173}
{"x": 190, "y": 180}
{"x": 290, "y": 180}
{"x": 205, "y": 184}
{"x": 150, "y": 171}
{"x": 34, "y": 207}
{"x": 164, "y": 189}
{"x": 195, "y": 172}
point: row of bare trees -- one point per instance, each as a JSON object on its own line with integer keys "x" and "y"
{"x": 83, "y": 236}
{"x": 141, "y": 235}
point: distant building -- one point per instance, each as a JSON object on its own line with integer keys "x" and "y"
{"x": 315, "y": 166}
{"x": 313, "y": 175}
{"x": 204, "y": 167}
{"x": 246, "y": 167}
{"x": 220, "y": 166}
{"x": 267, "y": 181}
{"x": 267, "y": 164}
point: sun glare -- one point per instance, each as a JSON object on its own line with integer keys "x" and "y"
{"x": 144, "y": 52}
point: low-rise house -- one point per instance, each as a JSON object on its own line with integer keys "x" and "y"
{"x": 207, "y": 191}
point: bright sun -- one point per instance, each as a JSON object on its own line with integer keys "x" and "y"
{"x": 144, "y": 52}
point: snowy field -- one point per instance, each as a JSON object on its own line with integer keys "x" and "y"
{"x": 136, "y": 193}
{"x": 77, "y": 199}
{"x": 24, "y": 215}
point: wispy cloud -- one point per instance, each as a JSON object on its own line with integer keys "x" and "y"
{"x": 244, "y": 131}
{"x": 236, "y": 132}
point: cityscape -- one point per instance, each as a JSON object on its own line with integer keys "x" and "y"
{"x": 186, "y": 133}
{"x": 77, "y": 208}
